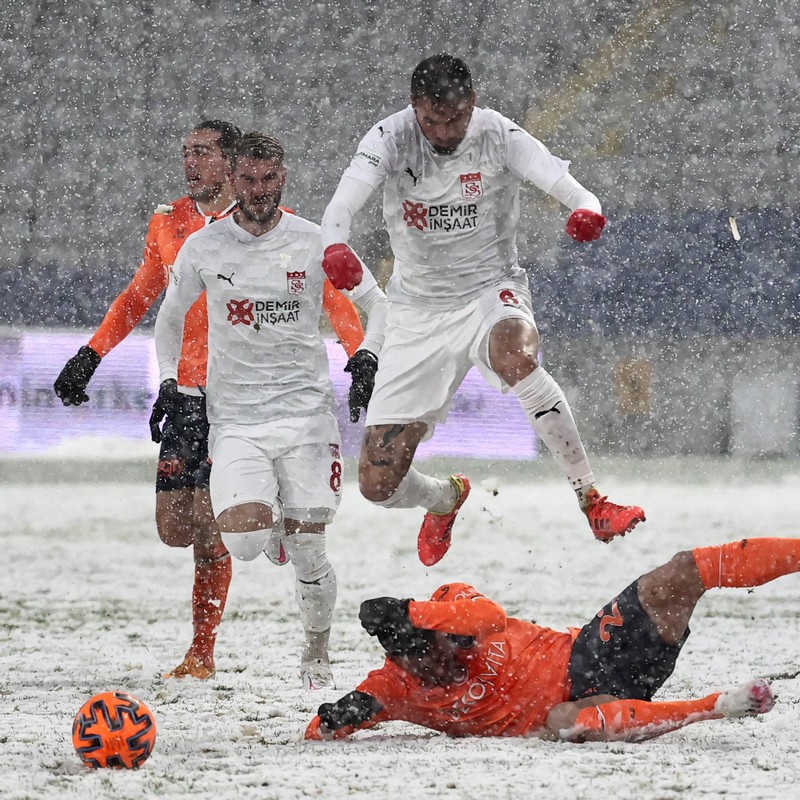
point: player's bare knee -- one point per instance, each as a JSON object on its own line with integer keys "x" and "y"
{"x": 672, "y": 586}
{"x": 514, "y": 367}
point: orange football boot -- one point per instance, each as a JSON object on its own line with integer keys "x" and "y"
{"x": 435, "y": 533}
{"x": 193, "y": 666}
{"x": 608, "y": 520}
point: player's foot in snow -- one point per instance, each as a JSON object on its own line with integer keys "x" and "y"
{"x": 436, "y": 532}
{"x": 274, "y": 550}
{"x": 316, "y": 673}
{"x": 608, "y": 520}
{"x": 754, "y": 697}
{"x": 193, "y": 667}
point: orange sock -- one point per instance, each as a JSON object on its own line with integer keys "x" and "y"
{"x": 211, "y": 582}
{"x": 635, "y": 720}
{"x": 749, "y": 562}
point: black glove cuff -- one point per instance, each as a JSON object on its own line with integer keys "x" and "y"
{"x": 89, "y": 356}
{"x": 362, "y": 360}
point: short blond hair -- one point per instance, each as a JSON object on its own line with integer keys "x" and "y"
{"x": 258, "y": 145}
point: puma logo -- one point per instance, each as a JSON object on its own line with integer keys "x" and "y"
{"x": 414, "y": 177}
{"x": 380, "y": 128}
{"x": 547, "y": 411}
{"x": 226, "y": 278}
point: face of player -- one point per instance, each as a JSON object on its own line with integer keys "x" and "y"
{"x": 205, "y": 167}
{"x": 444, "y": 125}
{"x": 440, "y": 666}
{"x": 258, "y": 184}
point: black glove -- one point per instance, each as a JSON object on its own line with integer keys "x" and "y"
{"x": 383, "y": 613}
{"x": 166, "y": 403}
{"x": 387, "y": 618}
{"x": 352, "y": 709}
{"x": 362, "y": 366}
{"x": 72, "y": 381}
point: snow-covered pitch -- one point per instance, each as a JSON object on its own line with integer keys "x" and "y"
{"x": 90, "y": 600}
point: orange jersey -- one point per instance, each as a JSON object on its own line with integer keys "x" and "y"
{"x": 516, "y": 672}
{"x": 166, "y": 234}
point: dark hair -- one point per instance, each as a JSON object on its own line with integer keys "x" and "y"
{"x": 258, "y": 145}
{"x": 229, "y": 133}
{"x": 442, "y": 79}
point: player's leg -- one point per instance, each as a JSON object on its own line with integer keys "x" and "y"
{"x": 670, "y": 592}
{"x": 310, "y": 479}
{"x": 174, "y": 490}
{"x": 421, "y": 366}
{"x": 511, "y": 351}
{"x": 630, "y": 648}
{"x": 608, "y": 719}
{"x": 185, "y": 515}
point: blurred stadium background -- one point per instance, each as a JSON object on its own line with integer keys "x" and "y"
{"x": 669, "y": 336}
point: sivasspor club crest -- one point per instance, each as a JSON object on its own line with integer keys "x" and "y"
{"x": 471, "y": 185}
{"x": 296, "y": 282}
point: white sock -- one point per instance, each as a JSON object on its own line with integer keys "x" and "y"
{"x": 551, "y": 417}
{"x": 315, "y": 584}
{"x": 417, "y": 489}
{"x": 316, "y": 645}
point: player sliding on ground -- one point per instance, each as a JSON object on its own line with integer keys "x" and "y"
{"x": 458, "y": 664}
{"x": 451, "y": 175}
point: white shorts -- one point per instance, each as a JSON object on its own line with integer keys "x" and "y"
{"x": 427, "y": 354}
{"x": 294, "y": 466}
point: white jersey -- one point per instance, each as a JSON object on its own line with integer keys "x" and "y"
{"x": 266, "y": 356}
{"x": 452, "y": 219}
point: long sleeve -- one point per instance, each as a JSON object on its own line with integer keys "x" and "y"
{"x": 172, "y": 314}
{"x": 458, "y": 609}
{"x": 343, "y": 317}
{"x": 127, "y": 310}
{"x": 349, "y": 198}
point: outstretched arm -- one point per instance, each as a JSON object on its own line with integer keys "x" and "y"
{"x": 349, "y": 198}
{"x": 122, "y": 317}
{"x": 459, "y": 609}
{"x": 132, "y": 303}
{"x": 531, "y": 161}
{"x": 355, "y": 711}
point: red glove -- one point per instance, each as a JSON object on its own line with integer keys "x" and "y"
{"x": 584, "y": 225}
{"x": 342, "y": 266}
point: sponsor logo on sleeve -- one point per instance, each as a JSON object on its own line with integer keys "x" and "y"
{"x": 370, "y": 158}
{"x": 471, "y": 185}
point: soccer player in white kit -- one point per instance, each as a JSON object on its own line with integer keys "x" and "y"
{"x": 451, "y": 174}
{"x": 274, "y": 440}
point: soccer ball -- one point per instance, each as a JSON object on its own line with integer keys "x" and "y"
{"x": 115, "y": 730}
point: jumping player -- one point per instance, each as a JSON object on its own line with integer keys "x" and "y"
{"x": 458, "y": 664}
{"x": 274, "y": 439}
{"x": 451, "y": 174}
{"x": 183, "y": 508}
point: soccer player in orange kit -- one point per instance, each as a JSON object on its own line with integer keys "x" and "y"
{"x": 458, "y": 664}
{"x": 183, "y": 506}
